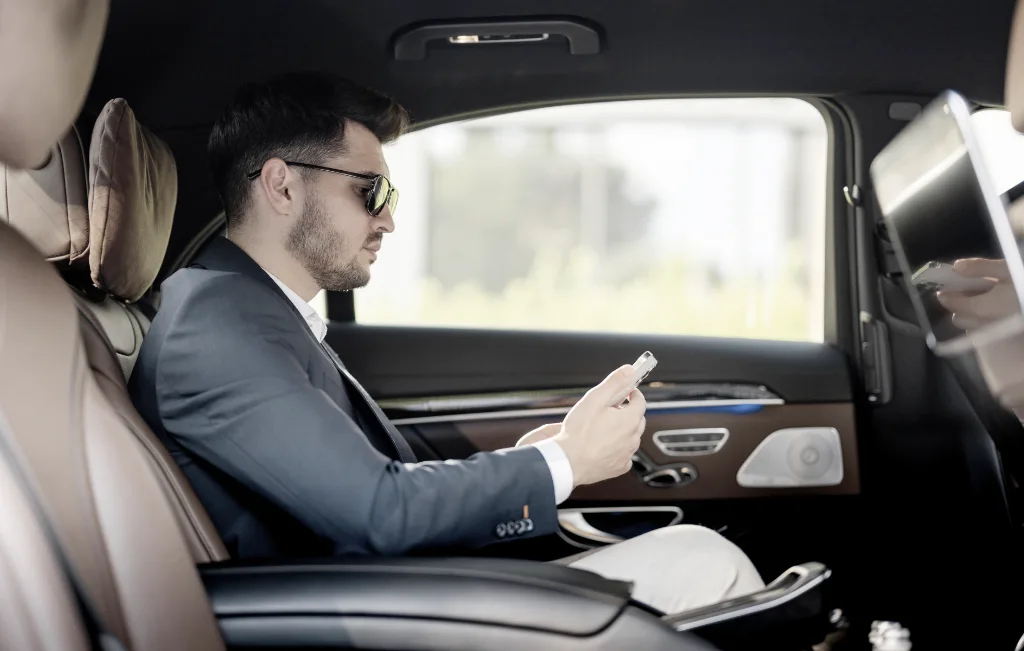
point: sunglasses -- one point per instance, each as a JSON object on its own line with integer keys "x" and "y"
{"x": 381, "y": 193}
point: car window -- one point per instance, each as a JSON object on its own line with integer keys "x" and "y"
{"x": 686, "y": 217}
{"x": 1001, "y": 145}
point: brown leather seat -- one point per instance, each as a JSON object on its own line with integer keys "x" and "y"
{"x": 93, "y": 475}
{"x": 49, "y": 49}
{"x": 107, "y": 233}
{"x": 39, "y": 610}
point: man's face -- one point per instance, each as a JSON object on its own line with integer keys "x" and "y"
{"x": 335, "y": 238}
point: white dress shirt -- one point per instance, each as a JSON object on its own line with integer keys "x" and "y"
{"x": 554, "y": 455}
{"x": 313, "y": 319}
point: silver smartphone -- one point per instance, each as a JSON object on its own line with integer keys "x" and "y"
{"x": 940, "y": 276}
{"x": 642, "y": 367}
{"x": 940, "y": 205}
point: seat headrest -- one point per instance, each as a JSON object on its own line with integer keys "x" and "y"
{"x": 118, "y": 220}
{"x": 48, "y": 204}
{"x": 133, "y": 189}
{"x": 52, "y": 48}
{"x": 1014, "y": 87}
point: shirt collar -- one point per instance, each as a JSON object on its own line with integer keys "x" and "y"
{"x": 313, "y": 319}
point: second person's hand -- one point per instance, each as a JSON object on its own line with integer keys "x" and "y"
{"x": 974, "y": 310}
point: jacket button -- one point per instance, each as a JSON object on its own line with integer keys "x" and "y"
{"x": 501, "y": 530}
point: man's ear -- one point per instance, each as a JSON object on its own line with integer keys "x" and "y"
{"x": 277, "y": 182}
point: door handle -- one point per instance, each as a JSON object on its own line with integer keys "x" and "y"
{"x": 574, "y": 521}
{"x": 641, "y": 464}
{"x": 671, "y": 476}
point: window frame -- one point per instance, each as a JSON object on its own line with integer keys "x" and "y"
{"x": 839, "y": 326}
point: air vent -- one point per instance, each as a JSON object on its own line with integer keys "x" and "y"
{"x": 688, "y": 442}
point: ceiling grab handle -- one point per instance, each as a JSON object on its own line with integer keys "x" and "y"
{"x": 411, "y": 44}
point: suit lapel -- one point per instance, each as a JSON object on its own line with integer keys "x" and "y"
{"x": 405, "y": 452}
{"x": 224, "y": 255}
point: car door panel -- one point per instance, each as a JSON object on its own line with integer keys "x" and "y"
{"x": 457, "y": 392}
{"x": 715, "y": 473}
{"x": 410, "y": 362}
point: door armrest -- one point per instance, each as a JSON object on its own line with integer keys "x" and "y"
{"x": 793, "y": 610}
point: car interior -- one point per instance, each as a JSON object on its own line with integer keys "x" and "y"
{"x": 866, "y": 478}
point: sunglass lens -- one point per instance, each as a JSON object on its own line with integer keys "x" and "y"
{"x": 378, "y": 195}
{"x": 393, "y": 200}
{"x": 384, "y": 194}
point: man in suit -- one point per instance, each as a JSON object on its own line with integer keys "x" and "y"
{"x": 283, "y": 446}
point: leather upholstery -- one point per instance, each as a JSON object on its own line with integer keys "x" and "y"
{"x": 112, "y": 330}
{"x": 1014, "y": 89}
{"x": 49, "y": 204}
{"x": 200, "y": 534}
{"x": 521, "y": 594}
{"x": 39, "y": 610}
{"x": 133, "y": 188}
{"x": 124, "y": 327}
{"x": 119, "y": 219}
{"x": 95, "y": 479}
{"x": 51, "y": 47}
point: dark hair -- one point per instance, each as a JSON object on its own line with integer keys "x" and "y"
{"x": 297, "y": 116}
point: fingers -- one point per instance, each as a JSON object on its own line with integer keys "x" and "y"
{"x": 624, "y": 468}
{"x": 949, "y": 300}
{"x": 968, "y": 322}
{"x": 637, "y": 402}
{"x": 996, "y": 304}
{"x": 954, "y": 301}
{"x": 982, "y": 268}
{"x": 541, "y": 433}
{"x": 637, "y": 434}
{"x": 641, "y": 427}
{"x": 616, "y": 382}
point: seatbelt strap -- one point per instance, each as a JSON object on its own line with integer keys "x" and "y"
{"x": 100, "y": 639}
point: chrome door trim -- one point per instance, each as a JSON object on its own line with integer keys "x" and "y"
{"x": 553, "y": 401}
{"x": 561, "y": 411}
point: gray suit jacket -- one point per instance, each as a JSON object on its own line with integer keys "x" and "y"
{"x": 287, "y": 452}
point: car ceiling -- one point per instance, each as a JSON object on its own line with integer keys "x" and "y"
{"x": 178, "y": 62}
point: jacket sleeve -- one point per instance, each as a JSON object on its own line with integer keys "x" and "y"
{"x": 232, "y": 388}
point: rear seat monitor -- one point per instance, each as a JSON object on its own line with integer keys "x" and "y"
{"x": 940, "y": 206}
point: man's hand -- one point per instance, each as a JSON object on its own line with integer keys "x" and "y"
{"x": 1000, "y": 361}
{"x": 600, "y": 438}
{"x": 541, "y": 433}
{"x": 973, "y": 310}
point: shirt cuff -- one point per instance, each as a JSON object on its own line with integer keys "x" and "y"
{"x": 559, "y": 466}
